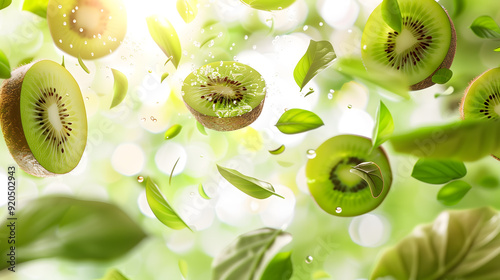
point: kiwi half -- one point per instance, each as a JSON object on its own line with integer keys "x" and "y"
{"x": 225, "y": 95}
{"x": 427, "y": 42}
{"x": 338, "y": 191}
{"x": 43, "y": 118}
{"x": 87, "y": 28}
{"x": 482, "y": 98}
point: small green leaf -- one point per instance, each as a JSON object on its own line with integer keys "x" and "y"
{"x": 298, "y": 120}
{"x": 201, "y": 128}
{"x": 248, "y": 256}
{"x": 161, "y": 208}
{"x": 4, "y": 66}
{"x": 172, "y": 172}
{"x": 371, "y": 173}
{"x": 319, "y": 56}
{"x": 497, "y": 50}
{"x": 278, "y": 151}
{"x": 447, "y": 92}
{"x": 38, "y": 7}
{"x": 187, "y": 9}
{"x": 84, "y": 67}
{"x": 173, "y": 131}
{"x": 120, "y": 87}
{"x": 202, "y": 192}
{"x": 114, "y": 274}
{"x": 436, "y": 171}
{"x": 251, "y": 186}
{"x": 62, "y": 63}
{"x": 451, "y": 193}
{"x": 442, "y": 76}
{"x": 384, "y": 126}
{"x": 267, "y": 5}
{"x": 280, "y": 267}
{"x": 183, "y": 267}
{"x": 392, "y": 14}
{"x": 4, "y": 4}
{"x": 320, "y": 274}
{"x": 311, "y": 90}
{"x": 163, "y": 33}
{"x": 485, "y": 27}
{"x": 164, "y": 76}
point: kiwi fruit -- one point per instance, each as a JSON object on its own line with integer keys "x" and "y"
{"x": 334, "y": 188}
{"x": 43, "y": 118}
{"x": 88, "y": 29}
{"x": 482, "y": 98}
{"x": 426, "y": 43}
{"x": 225, "y": 95}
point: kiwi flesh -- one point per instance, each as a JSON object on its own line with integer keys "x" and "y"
{"x": 88, "y": 29}
{"x": 334, "y": 188}
{"x": 225, "y": 95}
{"x": 43, "y": 118}
{"x": 482, "y": 98}
{"x": 427, "y": 42}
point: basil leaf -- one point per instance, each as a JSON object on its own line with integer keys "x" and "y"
{"x": 435, "y": 171}
{"x": 163, "y": 33}
{"x": 38, "y": 7}
{"x": 4, "y": 4}
{"x": 485, "y": 27}
{"x": 371, "y": 173}
{"x": 467, "y": 140}
{"x": 251, "y": 186}
{"x": 173, "y": 131}
{"x": 201, "y": 128}
{"x": 120, "y": 87}
{"x": 451, "y": 193}
{"x": 319, "y": 56}
{"x": 183, "y": 267}
{"x": 187, "y": 9}
{"x": 4, "y": 66}
{"x": 202, "y": 192}
{"x": 458, "y": 245}
{"x": 280, "y": 267}
{"x": 247, "y": 256}
{"x": 320, "y": 274}
{"x": 384, "y": 126}
{"x": 161, "y": 208}
{"x": 84, "y": 67}
{"x": 65, "y": 227}
{"x": 442, "y": 76}
{"x": 267, "y": 5}
{"x": 278, "y": 151}
{"x": 392, "y": 14}
{"x": 298, "y": 120}
{"x": 114, "y": 274}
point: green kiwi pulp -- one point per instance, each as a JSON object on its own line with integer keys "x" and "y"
{"x": 224, "y": 95}
{"x": 482, "y": 98}
{"x": 426, "y": 43}
{"x": 87, "y": 28}
{"x": 43, "y": 118}
{"x": 338, "y": 191}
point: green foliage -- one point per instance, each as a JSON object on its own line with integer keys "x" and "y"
{"x": 267, "y": 5}
{"x": 442, "y": 76}
{"x": 392, "y": 14}
{"x": 485, "y": 27}
{"x": 201, "y": 128}
{"x": 38, "y": 7}
{"x": 451, "y": 193}
{"x": 163, "y": 33}
{"x": 277, "y": 151}
{"x": 251, "y": 186}
{"x": 202, "y": 192}
{"x": 84, "y": 67}
{"x": 183, "y": 267}
{"x": 280, "y": 267}
{"x": 435, "y": 171}
{"x": 298, "y": 120}
{"x": 371, "y": 173}
{"x": 120, "y": 87}
{"x": 4, "y": 66}
{"x": 4, "y": 4}
{"x": 384, "y": 127}
{"x": 173, "y": 131}
{"x": 318, "y": 57}
{"x": 187, "y": 9}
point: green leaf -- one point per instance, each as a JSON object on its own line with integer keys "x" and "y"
{"x": 436, "y": 171}
{"x": 497, "y": 50}
{"x": 267, "y": 5}
{"x": 161, "y": 208}
{"x": 164, "y": 76}
{"x": 172, "y": 172}
{"x": 114, "y": 274}
{"x": 202, "y": 192}
{"x": 458, "y": 245}
{"x": 183, "y": 267}
{"x": 64, "y": 227}
{"x": 251, "y": 186}
{"x": 458, "y": 7}
{"x": 201, "y": 128}
{"x": 298, "y": 120}
{"x": 447, "y": 92}
{"x": 467, "y": 140}
{"x": 280, "y": 267}
{"x": 278, "y": 151}
{"x": 4, "y": 66}
{"x": 247, "y": 257}
{"x": 319, "y": 56}
{"x": 4, "y": 4}
{"x": 320, "y": 274}
{"x": 62, "y": 63}
{"x": 485, "y": 27}
{"x": 442, "y": 76}
{"x": 451, "y": 193}
{"x": 38, "y": 7}
{"x": 187, "y": 9}
{"x": 384, "y": 126}
{"x": 84, "y": 67}
{"x": 392, "y": 14}
{"x": 311, "y": 91}
{"x": 371, "y": 173}
{"x": 163, "y": 33}
{"x": 120, "y": 87}
{"x": 173, "y": 131}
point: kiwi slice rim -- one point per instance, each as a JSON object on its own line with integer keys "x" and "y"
{"x": 43, "y": 118}
{"x": 332, "y": 163}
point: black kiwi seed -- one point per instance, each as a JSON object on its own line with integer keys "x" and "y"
{"x": 338, "y": 185}
{"x": 217, "y": 97}
{"x": 489, "y": 106}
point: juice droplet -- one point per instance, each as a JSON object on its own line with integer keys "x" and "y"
{"x": 349, "y": 106}
{"x": 320, "y": 23}
{"x": 140, "y": 179}
{"x": 311, "y": 153}
{"x": 309, "y": 259}
{"x": 330, "y": 96}
{"x": 246, "y": 37}
{"x": 305, "y": 27}
{"x": 338, "y": 210}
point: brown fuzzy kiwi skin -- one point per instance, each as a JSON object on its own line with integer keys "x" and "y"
{"x": 229, "y": 123}
{"x": 427, "y": 82}
{"x": 10, "y": 120}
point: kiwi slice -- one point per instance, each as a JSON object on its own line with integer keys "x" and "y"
{"x": 225, "y": 95}
{"x": 338, "y": 191}
{"x": 43, "y": 118}
{"x": 482, "y": 98}
{"x": 87, "y": 28}
{"x": 426, "y": 43}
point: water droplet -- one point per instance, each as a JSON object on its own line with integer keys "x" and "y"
{"x": 305, "y": 27}
{"x": 330, "y": 96}
{"x": 140, "y": 179}
{"x": 152, "y": 118}
{"x": 74, "y": 21}
{"x": 364, "y": 47}
{"x": 320, "y": 23}
{"x": 81, "y": 29}
{"x": 332, "y": 91}
{"x": 67, "y": 94}
{"x": 349, "y": 106}
{"x": 311, "y": 153}
{"x": 202, "y": 30}
{"x": 64, "y": 15}
{"x": 309, "y": 259}
{"x": 87, "y": 98}
{"x": 220, "y": 34}
{"x": 211, "y": 44}
{"x": 338, "y": 209}
{"x": 60, "y": 40}
{"x": 280, "y": 8}
{"x": 246, "y": 37}
{"x": 64, "y": 23}
{"x": 73, "y": 11}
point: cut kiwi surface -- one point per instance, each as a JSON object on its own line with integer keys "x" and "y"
{"x": 426, "y": 43}
{"x": 43, "y": 118}
{"x": 224, "y": 95}
{"x": 338, "y": 191}
{"x": 87, "y": 28}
